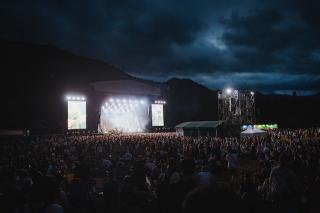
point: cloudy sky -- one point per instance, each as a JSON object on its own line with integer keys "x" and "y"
{"x": 266, "y": 45}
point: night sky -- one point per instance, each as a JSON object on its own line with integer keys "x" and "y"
{"x": 268, "y": 45}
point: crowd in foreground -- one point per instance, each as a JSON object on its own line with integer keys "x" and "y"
{"x": 161, "y": 172}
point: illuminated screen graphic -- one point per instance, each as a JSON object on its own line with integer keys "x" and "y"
{"x": 266, "y": 126}
{"x": 261, "y": 126}
{"x": 77, "y": 114}
{"x": 157, "y": 115}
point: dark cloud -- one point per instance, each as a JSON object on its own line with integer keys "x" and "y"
{"x": 267, "y": 45}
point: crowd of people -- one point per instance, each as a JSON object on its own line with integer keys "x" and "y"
{"x": 161, "y": 172}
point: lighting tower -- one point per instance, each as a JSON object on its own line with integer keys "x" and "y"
{"x": 236, "y": 107}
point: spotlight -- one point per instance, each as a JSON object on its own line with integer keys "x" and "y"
{"x": 111, "y": 100}
{"x": 252, "y": 93}
{"x": 83, "y": 98}
{"x": 159, "y": 102}
{"x": 68, "y": 98}
{"x": 141, "y": 101}
{"x": 78, "y": 98}
{"x": 124, "y": 101}
{"x": 228, "y": 91}
{"x": 117, "y": 100}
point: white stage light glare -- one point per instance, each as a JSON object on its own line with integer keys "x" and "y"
{"x": 78, "y": 98}
{"x": 252, "y": 93}
{"x": 68, "y": 98}
{"x": 141, "y": 102}
{"x": 83, "y": 98}
{"x": 124, "y": 100}
{"x": 111, "y": 100}
{"x": 228, "y": 91}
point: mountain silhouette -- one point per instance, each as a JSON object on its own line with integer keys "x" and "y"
{"x": 35, "y": 77}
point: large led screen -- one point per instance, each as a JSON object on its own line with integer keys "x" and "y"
{"x": 157, "y": 114}
{"x": 77, "y": 115}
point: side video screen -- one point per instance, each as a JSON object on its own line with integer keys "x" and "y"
{"x": 77, "y": 114}
{"x": 157, "y": 115}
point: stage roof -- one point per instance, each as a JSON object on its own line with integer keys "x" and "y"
{"x": 130, "y": 87}
{"x": 199, "y": 124}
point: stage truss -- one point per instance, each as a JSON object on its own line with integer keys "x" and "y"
{"x": 237, "y": 107}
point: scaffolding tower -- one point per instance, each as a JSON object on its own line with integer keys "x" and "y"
{"x": 237, "y": 107}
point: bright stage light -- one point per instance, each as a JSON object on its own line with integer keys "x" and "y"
{"x": 229, "y": 91}
{"x": 159, "y": 102}
{"x": 252, "y": 93}
{"x": 125, "y": 114}
{"x": 83, "y": 98}
{"x": 68, "y": 98}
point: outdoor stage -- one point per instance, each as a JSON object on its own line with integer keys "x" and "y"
{"x": 122, "y": 106}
